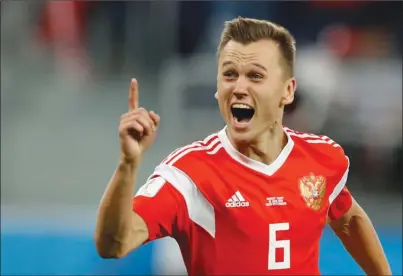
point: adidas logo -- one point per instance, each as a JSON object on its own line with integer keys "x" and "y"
{"x": 237, "y": 200}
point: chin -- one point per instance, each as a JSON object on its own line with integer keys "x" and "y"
{"x": 242, "y": 136}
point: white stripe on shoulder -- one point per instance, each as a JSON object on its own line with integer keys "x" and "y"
{"x": 207, "y": 145}
{"x": 330, "y": 141}
{"x": 197, "y": 143}
{"x": 304, "y": 135}
{"x": 215, "y": 150}
{"x": 180, "y": 150}
{"x": 319, "y": 141}
{"x": 199, "y": 208}
{"x": 151, "y": 187}
{"x": 323, "y": 140}
{"x": 313, "y": 138}
{"x": 339, "y": 187}
{"x": 208, "y": 138}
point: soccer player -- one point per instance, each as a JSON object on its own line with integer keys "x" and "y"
{"x": 252, "y": 198}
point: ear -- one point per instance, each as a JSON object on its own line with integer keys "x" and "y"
{"x": 216, "y": 95}
{"x": 289, "y": 91}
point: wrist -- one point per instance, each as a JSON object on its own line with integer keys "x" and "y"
{"x": 131, "y": 162}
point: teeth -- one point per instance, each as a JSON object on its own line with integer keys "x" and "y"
{"x": 241, "y": 106}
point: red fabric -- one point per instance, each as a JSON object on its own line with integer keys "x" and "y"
{"x": 164, "y": 214}
{"x": 340, "y": 205}
{"x": 233, "y": 217}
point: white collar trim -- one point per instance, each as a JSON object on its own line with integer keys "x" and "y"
{"x": 253, "y": 164}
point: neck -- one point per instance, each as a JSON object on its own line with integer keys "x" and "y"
{"x": 266, "y": 147}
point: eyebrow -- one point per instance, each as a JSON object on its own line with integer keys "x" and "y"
{"x": 225, "y": 63}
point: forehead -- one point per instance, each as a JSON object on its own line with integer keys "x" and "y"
{"x": 265, "y": 52}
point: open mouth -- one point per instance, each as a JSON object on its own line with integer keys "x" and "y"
{"x": 242, "y": 113}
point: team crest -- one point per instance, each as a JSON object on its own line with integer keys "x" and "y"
{"x": 313, "y": 189}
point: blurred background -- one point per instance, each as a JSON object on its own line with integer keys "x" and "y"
{"x": 65, "y": 74}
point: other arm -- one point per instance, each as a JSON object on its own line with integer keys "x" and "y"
{"x": 355, "y": 230}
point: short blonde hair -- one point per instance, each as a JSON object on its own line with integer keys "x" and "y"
{"x": 248, "y": 30}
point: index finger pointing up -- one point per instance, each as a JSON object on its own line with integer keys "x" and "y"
{"x": 133, "y": 95}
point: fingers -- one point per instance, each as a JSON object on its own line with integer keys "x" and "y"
{"x": 147, "y": 124}
{"x": 131, "y": 125}
{"x": 139, "y": 120}
{"x": 155, "y": 117}
{"x": 133, "y": 95}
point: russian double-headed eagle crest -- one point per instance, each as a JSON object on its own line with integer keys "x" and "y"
{"x": 313, "y": 189}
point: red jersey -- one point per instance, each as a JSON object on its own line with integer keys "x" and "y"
{"x": 233, "y": 215}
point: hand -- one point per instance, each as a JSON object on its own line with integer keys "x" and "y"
{"x": 137, "y": 128}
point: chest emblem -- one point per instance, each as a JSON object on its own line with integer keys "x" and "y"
{"x": 313, "y": 189}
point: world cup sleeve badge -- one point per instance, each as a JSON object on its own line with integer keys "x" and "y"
{"x": 313, "y": 190}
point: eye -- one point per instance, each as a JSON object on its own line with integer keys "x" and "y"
{"x": 255, "y": 76}
{"x": 229, "y": 74}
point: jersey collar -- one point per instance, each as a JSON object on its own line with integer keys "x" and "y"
{"x": 253, "y": 164}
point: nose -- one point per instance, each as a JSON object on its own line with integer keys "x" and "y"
{"x": 241, "y": 89}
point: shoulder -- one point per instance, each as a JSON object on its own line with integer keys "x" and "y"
{"x": 188, "y": 167}
{"x": 316, "y": 142}
{"x": 183, "y": 166}
{"x": 322, "y": 147}
{"x": 198, "y": 150}
{"x": 182, "y": 170}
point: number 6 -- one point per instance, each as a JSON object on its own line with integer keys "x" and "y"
{"x": 274, "y": 244}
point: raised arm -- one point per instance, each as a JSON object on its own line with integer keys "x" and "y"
{"x": 119, "y": 229}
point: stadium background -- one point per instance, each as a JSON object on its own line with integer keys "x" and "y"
{"x": 65, "y": 72}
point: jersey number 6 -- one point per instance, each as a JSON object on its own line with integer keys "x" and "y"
{"x": 276, "y": 244}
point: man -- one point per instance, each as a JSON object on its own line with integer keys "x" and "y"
{"x": 253, "y": 198}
